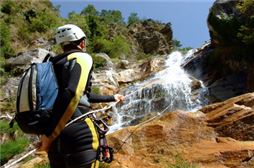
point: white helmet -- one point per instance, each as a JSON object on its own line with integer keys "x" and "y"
{"x": 68, "y": 33}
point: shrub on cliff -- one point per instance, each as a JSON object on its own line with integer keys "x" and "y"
{"x": 246, "y": 31}
{"x": 114, "y": 48}
{"x": 232, "y": 23}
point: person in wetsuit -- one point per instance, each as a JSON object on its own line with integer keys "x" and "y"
{"x": 74, "y": 146}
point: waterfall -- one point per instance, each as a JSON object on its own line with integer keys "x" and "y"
{"x": 170, "y": 88}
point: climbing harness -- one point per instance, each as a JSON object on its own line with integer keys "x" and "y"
{"x": 105, "y": 153}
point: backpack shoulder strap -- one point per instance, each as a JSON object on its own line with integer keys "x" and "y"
{"x": 48, "y": 57}
{"x": 63, "y": 55}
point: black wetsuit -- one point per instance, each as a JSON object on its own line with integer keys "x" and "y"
{"x": 76, "y": 145}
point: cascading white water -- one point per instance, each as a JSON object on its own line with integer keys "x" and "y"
{"x": 169, "y": 88}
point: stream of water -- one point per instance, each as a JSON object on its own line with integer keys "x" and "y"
{"x": 170, "y": 88}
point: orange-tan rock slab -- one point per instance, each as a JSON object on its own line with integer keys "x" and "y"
{"x": 233, "y": 117}
{"x": 197, "y": 137}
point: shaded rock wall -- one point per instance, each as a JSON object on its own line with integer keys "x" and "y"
{"x": 226, "y": 63}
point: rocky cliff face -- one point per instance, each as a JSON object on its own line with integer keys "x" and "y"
{"x": 147, "y": 36}
{"x": 226, "y": 63}
{"x": 152, "y": 37}
{"x": 224, "y": 20}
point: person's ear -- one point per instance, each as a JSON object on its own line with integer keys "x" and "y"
{"x": 82, "y": 44}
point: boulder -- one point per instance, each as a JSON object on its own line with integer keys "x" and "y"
{"x": 128, "y": 75}
{"x": 109, "y": 63}
{"x": 18, "y": 64}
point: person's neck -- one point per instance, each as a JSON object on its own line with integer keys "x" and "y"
{"x": 65, "y": 49}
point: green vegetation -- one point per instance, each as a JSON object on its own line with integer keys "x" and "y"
{"x": 11, "y": 148}
{"x": 226, "y": 28}
{"x": 98, "y": 61}
{"x": 5, "y": 128}
{"x": 45, "y": 165}
{"x": 23, "y": 22}
{"x": 234, "y": 39}
{"x": 133, "y": 18}
{"x": 95, "y": 90}
{"x": 178, "y": 46}
{"x": 181, "y": 163}
{"x": 235, "y": 30}
{"x": 5, "y": 41}
{"x": 17, "y": 143}
{"x": 26, "y": 21}
{"x": 246, "y": 31}
{"x": 114, "y": 47}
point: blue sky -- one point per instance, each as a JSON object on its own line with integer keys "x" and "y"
{"x": 188, "y": 17}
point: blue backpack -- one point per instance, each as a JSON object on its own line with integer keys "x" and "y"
{"x": 37, "y": 92}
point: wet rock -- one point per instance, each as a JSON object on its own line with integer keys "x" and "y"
{"x": 195, "y": 84}
{"x": 221, "y": 81}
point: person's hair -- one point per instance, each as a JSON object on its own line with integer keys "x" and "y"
{"x": 72, "y": 45}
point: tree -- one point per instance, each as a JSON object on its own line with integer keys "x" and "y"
{"x": 80, "y": 21}
{"x": 112, "y": 16}
{"x": 176, "y": 44}
{"x": 133, "y": 18}
{"x": 89, "y": 11}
